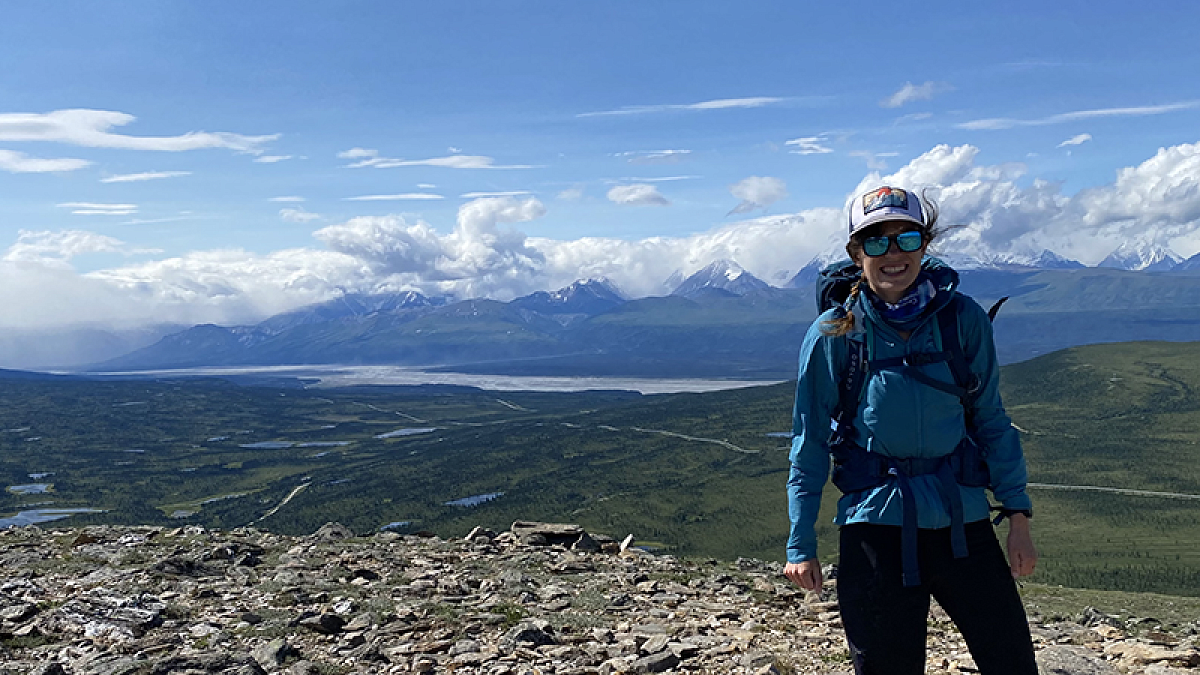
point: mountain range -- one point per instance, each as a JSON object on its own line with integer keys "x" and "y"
{"x": 721, "y": 321}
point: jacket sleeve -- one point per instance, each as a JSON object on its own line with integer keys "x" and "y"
{"x": 816, "y": 400}
{"x": 993, "y": 428}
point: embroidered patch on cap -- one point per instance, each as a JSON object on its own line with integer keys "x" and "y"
{"x": 883, "y": 198}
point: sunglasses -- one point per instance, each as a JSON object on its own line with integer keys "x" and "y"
{"x": 905, "y": 241}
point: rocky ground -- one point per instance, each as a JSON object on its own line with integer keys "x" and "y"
{"x": 548, "y": 600}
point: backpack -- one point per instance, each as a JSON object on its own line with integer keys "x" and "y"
{"x": 833, "y": 289}
{"x": 856, "y": 469}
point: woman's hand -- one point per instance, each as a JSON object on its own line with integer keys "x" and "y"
{"x": 806, "y": 575}
{"x": 1022, "y": 556}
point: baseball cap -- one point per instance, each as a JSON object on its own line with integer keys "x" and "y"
{"x": 884, "y": 203}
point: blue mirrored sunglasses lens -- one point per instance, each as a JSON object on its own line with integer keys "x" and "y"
{"x": 908, "y": 241}
{"x": 905, "y": 241}
{"x": 876, "y": 246}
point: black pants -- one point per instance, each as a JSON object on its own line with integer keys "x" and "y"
{"x": 885, "y": 622}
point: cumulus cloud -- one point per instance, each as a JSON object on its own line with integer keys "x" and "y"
{"x": 298, "y": 216}
{"x": 137, "y": 177}
{"x": 93, "y": 129}
{"x": 478, "y": 258}
{"x": 809, "y": 145}
{"x": 18, "y": 162}
{"x": 1137, "y": 111}
{"x": 1076, "y": 140}
{"x": 757, "y": 192}
{"x": 370, "y": 158}
{"x": 1157, "y": 202}
{"x": 716, "y": 104}
{"x": 915, "y": 92}
{"x": 638, "y": 194}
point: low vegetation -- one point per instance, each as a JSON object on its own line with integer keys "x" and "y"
{"x": 692, "y": 474}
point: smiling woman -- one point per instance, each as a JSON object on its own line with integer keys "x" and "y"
{"x": 905, "y": 371}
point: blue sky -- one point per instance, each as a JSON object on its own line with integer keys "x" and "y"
{"x": 224, "y": 161}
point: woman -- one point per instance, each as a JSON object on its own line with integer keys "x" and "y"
{"x": 914, "y": 524}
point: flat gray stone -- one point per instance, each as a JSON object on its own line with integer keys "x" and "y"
{"x": 1069, "y": 660}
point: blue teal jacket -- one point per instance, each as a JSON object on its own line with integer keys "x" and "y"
{"x": 900, "y": 417}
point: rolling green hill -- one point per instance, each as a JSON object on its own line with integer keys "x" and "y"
{"x": 696, "y": 474}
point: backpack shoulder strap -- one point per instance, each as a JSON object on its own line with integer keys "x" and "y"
{"x": 952, "y": 344}
{"x": 850, "y": 389}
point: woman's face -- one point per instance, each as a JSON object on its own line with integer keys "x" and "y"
{"x": 893, "y": 273}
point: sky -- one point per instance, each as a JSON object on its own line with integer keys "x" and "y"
{"x": 194, "y": 162}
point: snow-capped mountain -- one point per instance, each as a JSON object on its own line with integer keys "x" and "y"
{"x": 808, "y": 274}
{"x": 349, "y": 305}
{"x": 1192, "y": 263}
{"x": 1045, "y": 260}
{"x": 1143, "y": 257}
{"x": 721, "y": 275}
{"x": 591, "y": 296}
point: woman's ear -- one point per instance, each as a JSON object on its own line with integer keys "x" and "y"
{"x": 854, "y": 254}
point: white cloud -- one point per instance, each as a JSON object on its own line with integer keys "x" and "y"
{"x": 654, "y": 156}
{"x": 572, "y": 194}
{"x": 358, "y": 153}
{"x": 92, "y": 129}
{"x": 1157, "y": 201}
{"x": 809, "y": 145}
{"x": 656, "y": 179}
{"x": 1076, "y": 140}
{"x": 757, "y": 192}
{"x": 93, "y": 209}
{"x": 478, "y": 259}
{"x": 298, "y": 216}
{"x": 58, "y": 248}
{"x": 19, "y": 162}
{"x": 185, "y": 215}
{"x": 370, "y": 158}
{"x": 426, "y": 186}
{"x": 717, "y": 104}
{"x": 272, "y": 159}
{"x": 409, "y": 196}
{"x": 915, "y": 92}
{"x": 638, "y": 194}
{"x": 876, "y": 161}
{"x": 1139, "y": 111}
{"x": 136, "y": 177}
{"x": 286, "y": 199}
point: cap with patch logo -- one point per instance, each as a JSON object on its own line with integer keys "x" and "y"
{"x": 882, "y": 204}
